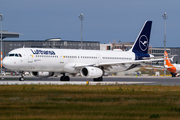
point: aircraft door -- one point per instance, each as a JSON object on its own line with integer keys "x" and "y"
{"x": 61, "y": 64}
{"x": 30, "y": 56}
{"x": 98, "y": 58}
{"x": 30, "y": 63}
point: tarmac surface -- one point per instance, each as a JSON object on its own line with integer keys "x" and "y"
{"x": 109, "y": 80}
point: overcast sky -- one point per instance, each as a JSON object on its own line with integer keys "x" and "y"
{"x": 105, "y": 20}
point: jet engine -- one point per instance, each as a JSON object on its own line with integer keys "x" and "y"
{"x": 91, "y": 72}
{"x": 42, "y": 74}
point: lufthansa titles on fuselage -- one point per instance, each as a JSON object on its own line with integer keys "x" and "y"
{"x": 43, "y": 52}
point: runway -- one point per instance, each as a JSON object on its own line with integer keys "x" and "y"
{"x": 165, "y": 81}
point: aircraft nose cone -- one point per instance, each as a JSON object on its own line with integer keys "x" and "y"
{"x": 5, "y": 62}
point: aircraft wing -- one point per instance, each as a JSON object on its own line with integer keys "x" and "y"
{"x": 148, "y": 58}
{"x": 79, "y": 65}
{"x": 127, "y": 62}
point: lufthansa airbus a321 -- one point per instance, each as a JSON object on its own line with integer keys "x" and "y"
{"x": 43, "y": 62}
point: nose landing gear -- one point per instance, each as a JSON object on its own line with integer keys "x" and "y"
{"x": 22, "y": 77}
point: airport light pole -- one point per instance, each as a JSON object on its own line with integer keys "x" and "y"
{"x": 164, "y": 17}
{"x": 1, "y": 18}
{"x": 81, "y": 17}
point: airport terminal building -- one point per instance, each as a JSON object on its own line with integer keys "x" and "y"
{"x": 9, "y": 45}
{"x": 57, "y": 43}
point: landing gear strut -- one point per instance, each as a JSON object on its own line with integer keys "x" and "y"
{"x": 22, "y": 77}
{"x": 64, "y": 78}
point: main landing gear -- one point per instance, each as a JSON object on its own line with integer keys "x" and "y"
{"x": 174, "y": 74}
{"x": 22, "y": 77}
{"x": 64, "y": 78}
{"x": 98, "y": 79}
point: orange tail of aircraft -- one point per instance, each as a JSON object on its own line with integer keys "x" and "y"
{"x": 168, "y": 65}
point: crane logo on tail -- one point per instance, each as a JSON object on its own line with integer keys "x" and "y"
{"x": 143, "y": 42}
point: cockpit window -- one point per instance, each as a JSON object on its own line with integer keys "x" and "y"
{"x": 12, "y": 55}
{"x": 16, "y": 55}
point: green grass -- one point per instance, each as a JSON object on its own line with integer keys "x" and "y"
{"x": 69, "y": 102}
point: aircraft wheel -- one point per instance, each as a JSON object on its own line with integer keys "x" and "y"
{"x": 64, "y": 78}
{"x": 98, "y": 79}
{"x": 173, "y": 74}
{"x": 21, "y": 79}
{"x": 67, "y": 78}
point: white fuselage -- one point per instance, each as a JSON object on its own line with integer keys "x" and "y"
{"x": 63, "y": 60}
{"x": 177, "y": 68}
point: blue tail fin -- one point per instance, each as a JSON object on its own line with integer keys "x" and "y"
{"x": 142, "y": 42}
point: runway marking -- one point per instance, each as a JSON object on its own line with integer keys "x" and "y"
{"x": 66, "y": 83}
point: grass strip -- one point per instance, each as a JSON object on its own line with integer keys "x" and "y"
{"x": 89, "y": 102}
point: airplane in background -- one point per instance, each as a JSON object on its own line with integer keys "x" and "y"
{"x": 173, "y": 68}
{"x": 43, "y": 62}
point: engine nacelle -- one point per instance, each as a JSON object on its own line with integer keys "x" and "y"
{"x": 91, "y": 72}
{"x": 42, "y": 74}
